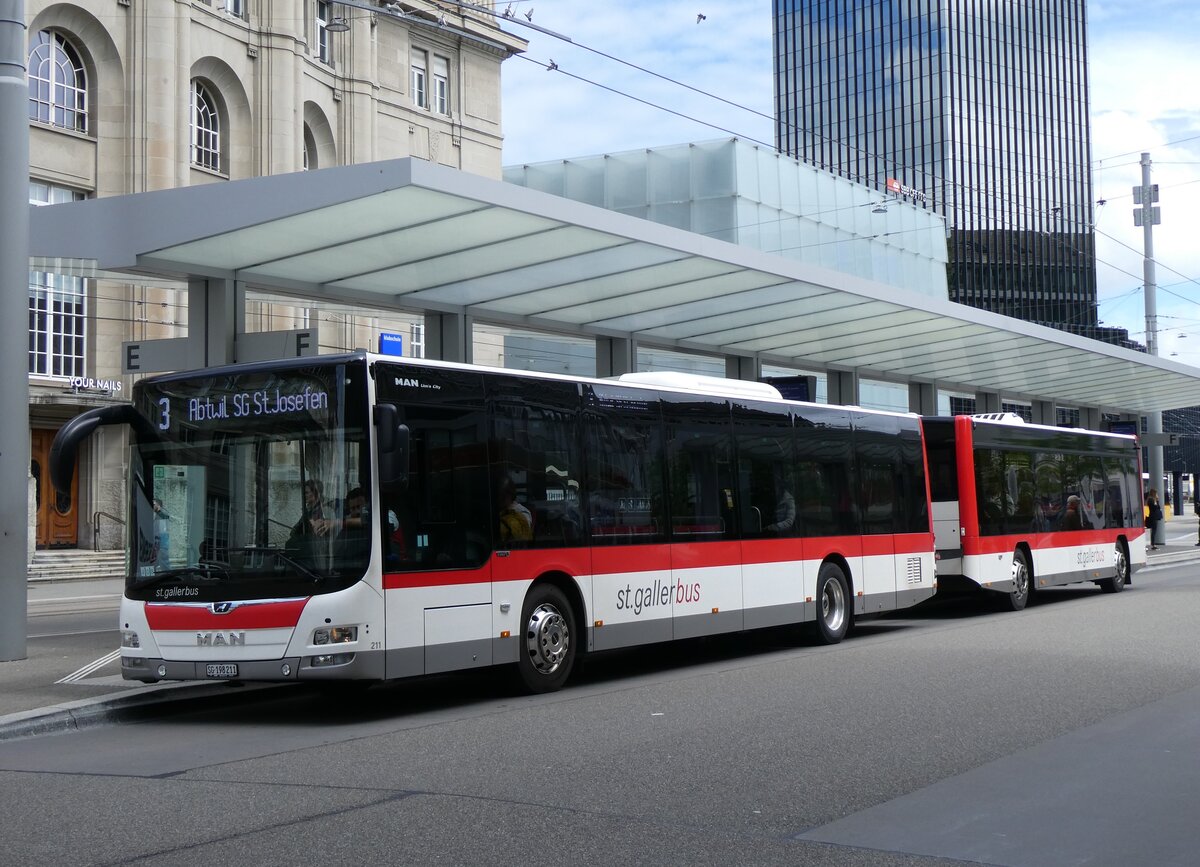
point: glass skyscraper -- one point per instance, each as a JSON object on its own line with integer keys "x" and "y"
{"x": 977, "y": 109}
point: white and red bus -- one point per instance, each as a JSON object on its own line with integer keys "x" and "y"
{"x": 1018, "y": 507}
{"x": 365, "y": 517}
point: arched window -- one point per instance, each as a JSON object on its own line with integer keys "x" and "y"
{"x": 310, "y": 150}
{"x": 206, "y": 129}
{"x": 57, "y": 83}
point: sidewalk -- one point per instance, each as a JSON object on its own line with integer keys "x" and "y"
{"x": 71, "y": 680}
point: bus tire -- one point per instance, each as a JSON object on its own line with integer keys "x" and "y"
{"x": 547, "y": 641}
{"x": 1022, "y": 576}
{"x": 1117, "y": 583}
{"x": 833, "y": 604}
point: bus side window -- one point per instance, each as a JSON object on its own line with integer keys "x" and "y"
{"x": 625, "y": 467}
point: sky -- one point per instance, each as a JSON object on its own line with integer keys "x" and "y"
{"x": 1145, "y": 86}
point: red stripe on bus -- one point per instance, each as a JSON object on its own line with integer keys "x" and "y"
{"x": 1046, "y": 541}
{"x": 522, "y": 565}
{"x": 266, "y": 615}
{"x": 405, "y": 580}
{"x": 518, "y": 565}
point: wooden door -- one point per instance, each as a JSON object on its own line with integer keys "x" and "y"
{"x": 57, "y": 520}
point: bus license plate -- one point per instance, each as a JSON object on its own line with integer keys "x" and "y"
{"x": 224, "y": 670}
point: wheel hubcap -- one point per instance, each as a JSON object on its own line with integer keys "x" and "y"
{"x": 1122, "y": 566}
{"x": 547, "y": 638}
{"x": 1020, "y": 578}
{"x": 833, "y": 605}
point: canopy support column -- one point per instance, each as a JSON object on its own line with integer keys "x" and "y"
{"x": 615, "y": 355}
{"x": 450, "y": 337}
{"x": 842, "y": 387}
{"x": 922, "y": 398}
{"x": 745, "y": 368}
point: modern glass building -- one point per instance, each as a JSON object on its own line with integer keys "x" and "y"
{"x": 975, "y": 109}
{"x": 734, "y": 191}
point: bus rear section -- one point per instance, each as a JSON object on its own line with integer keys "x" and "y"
{"x": 1019, "y": 507}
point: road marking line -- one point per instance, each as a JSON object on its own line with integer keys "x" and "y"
{"x": 80, "y": 674}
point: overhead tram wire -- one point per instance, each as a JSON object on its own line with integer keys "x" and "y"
{"x": 645, "y": 102}
{"x": 1143, "y": 150}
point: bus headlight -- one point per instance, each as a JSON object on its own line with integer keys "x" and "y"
{"x": 129, "y": 638}
{"x": 335, "y": 635}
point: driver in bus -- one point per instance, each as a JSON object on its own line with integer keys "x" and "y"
{"x": 313, "y": 520}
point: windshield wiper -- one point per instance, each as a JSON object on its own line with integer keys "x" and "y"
{"x": 203, "y": 570}
{"x": 284, "y": 557}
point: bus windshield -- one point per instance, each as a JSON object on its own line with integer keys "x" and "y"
{"x": 250, "y": 485}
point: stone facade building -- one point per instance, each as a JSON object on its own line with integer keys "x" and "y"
{"x": 128, "y": 96}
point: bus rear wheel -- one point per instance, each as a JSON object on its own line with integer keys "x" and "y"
{"x": 1120, "y": 578}
{"x": 547, "y": 651}
{"x": 1022, "y": 578}
{"x": 833, "y": 604}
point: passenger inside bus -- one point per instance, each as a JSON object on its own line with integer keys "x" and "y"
{"x": 785, "y": 514}
{"x": 1072, "y": 520}
{"x": 516, "y": 522}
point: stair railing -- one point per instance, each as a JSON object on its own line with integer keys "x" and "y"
{"x": 96, "y": 527}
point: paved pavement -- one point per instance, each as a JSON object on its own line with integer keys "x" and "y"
{"x": 71, "y": 677}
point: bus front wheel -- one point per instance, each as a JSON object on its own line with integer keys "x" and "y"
{"x": 1022, "y": 578}
{"x": 1120, "y": 579}
{"x": 547, "y": 651}
{"x": 833, "y": 604}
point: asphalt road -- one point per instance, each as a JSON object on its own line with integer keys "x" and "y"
{"x": 1068, "y": 733}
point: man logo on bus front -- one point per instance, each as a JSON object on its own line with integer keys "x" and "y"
{"x": 221, "y": 607}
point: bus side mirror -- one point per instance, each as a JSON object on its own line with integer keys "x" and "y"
{"x": 392, "y": 446}
{"x": 69, "y": 436}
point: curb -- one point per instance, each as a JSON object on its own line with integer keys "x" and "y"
{"x": 124, "y": 706}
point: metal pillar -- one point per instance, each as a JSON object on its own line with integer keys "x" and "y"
{"x": 987, "y": 401}
{"x": 922, "y": 398}
{"x": 742, "y": 367}
{"x": 14, "y": 338}
{"x": 1146, "y": 196}
{"x": 615, "y": 355}
{"x": 842, "y": 387}
{"x": 450, "y": 337}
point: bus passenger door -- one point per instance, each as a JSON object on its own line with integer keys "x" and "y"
{"x": 877, "y": 449}
{"x": 438, "y": 550}
{"x": 706, "y": 556}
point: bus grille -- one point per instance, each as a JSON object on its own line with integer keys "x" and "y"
{"x": 914, "y": 570}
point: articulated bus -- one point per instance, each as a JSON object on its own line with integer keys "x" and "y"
{"x": 1018, "y": 507}
{"x": 364, "y": 517}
